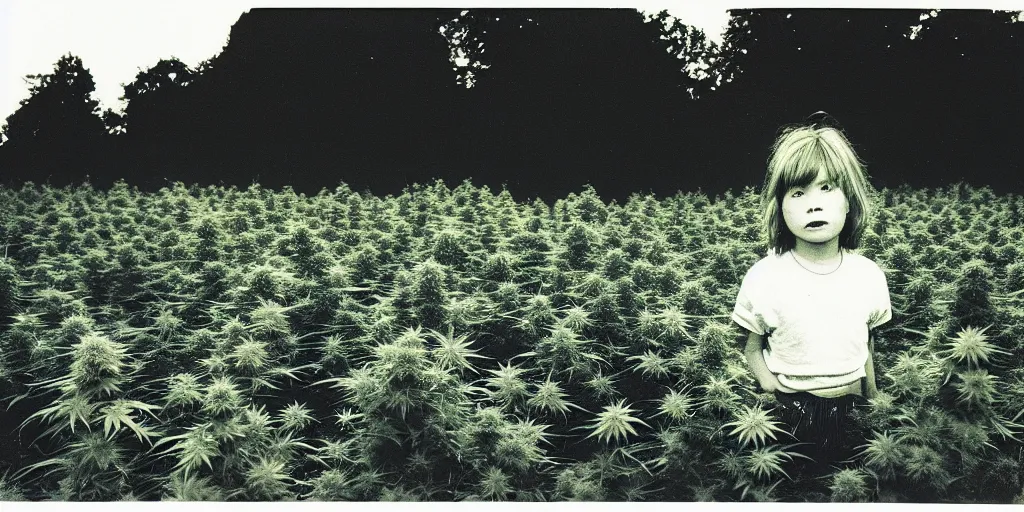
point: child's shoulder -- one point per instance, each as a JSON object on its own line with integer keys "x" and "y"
{"x": 767, "y": 265}
{"x": 864, "y": 263}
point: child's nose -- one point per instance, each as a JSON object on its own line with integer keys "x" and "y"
{"x": 814, "y": 209}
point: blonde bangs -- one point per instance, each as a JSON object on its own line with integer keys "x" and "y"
{"x": 797, "y": 157}
{"x": 800, "y": 168}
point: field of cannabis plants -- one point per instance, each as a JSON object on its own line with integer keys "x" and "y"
{"x": 455, "y": 344}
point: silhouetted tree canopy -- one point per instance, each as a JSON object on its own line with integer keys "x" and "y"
{"x": 151, "y": 94}
{"x": 57, "y": 126}
{"x": 543, "y": 100}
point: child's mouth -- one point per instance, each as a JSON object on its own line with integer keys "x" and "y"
{"x": 816, "y": 224}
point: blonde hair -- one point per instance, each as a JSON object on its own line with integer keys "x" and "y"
{"x": 796, "y": 158}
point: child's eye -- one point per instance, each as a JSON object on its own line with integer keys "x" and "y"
{"x": 796, "y": 193}
{"x": 826, "y": 187}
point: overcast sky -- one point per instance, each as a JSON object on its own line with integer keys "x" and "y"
{"x": 118, "y": 38}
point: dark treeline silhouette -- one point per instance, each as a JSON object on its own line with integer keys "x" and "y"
{"x": 313, "y": 97}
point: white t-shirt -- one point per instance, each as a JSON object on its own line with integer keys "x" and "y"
{"x": 816, "y": 325}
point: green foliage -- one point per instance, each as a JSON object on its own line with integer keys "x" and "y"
{"x": 453, "y": 353}
{"x": 971, "y": 346}
{"x": 99, "y": 366}
{"x": 9, "y": 294}
{"x": 481, "y": 349}
{"x": 549, "y": 398}
{"x": 182, "y": 487}
{"x": 506, "y": 387}
{"x": 849, "y": 485}
{"x": 972, "y": 304}
{"x": 753, "y": 426}
{"x": 615, "y": 423}
{"x": 429, "y": 294}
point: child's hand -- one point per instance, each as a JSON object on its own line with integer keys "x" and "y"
{"x": 870, "y": 389}
{"x": 772, "y": 385}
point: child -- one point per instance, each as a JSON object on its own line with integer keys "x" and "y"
{"x": 810, "y": 305}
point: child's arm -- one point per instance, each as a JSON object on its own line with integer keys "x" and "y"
{"x": 755, "y": 359}
{"x": 870, "y": 385}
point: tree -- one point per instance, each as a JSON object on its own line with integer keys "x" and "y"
{"x": 962, "y": 97}
{"x": 310, "y": 97}
{"x": 57, "y": 126}
{"x": 563, "y": 97}
{"x": 157, "y": 130}
{"x": 154, "y": 95}
{"x": 705, "y": 64}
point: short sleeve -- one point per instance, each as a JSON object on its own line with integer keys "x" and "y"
{"x": 881, "y": 310}
{"x": 746, "y": 313}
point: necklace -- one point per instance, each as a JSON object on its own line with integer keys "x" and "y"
{"x": 819, "y": 273}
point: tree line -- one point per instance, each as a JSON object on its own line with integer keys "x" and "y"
{"x": 540, "y": 100}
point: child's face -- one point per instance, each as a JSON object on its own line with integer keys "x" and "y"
{"x": 815, "y": 213}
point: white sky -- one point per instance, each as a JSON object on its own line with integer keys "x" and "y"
{"x": 118, "y": 38}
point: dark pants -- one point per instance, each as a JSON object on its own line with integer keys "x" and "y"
{"x": 823, "y": 427}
